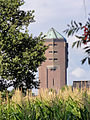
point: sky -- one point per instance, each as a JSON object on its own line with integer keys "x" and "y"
{"x": 57, "y": 14}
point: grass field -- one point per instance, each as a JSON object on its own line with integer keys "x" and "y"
{"x": 48, "y": 105}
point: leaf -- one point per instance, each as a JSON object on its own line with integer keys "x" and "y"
{"x": 72, "y": 24}
{"x": 86, "y": 47}
{"x": 74, "y": 43}
{"x": 68, "y": 25}
{"x": 79, "y": 37}
{"x": 77, "y": 30}
{"x": 83, "y": 61}
{"x": 80, "y": 24}
{"x": 70, "y": 32}
{"x": 89, "y": 19}
{"x": 87, "y": 51}
{"x": 66, "y": 31}
{"x": 76, "y": 24}
{"x": 78, "y": 44}
{"x": 89, "y": 61}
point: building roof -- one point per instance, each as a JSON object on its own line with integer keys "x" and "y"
{"x": 53, "y": 34}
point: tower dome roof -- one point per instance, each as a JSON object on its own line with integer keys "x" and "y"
{"x": 53, "y": 34}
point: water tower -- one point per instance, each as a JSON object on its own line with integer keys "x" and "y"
{"x": 53, "y": 72}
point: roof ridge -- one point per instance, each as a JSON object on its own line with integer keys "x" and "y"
{"x": 54, "y": 32}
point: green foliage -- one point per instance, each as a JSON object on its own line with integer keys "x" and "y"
{"x": 75, "y": 27}
{"x": 6, "y": 93}
{"x": 55, "y": 108}
{"x": 20, "y": 53}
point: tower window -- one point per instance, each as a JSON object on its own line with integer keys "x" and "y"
{"x": 55, "y": 59}
{"x": 55, "y": 51}
{"x": 50, "y": 44}
{"x": 55, "y": 44}
{"x": 50, "y": 51}
{"x": 53, "y": 81}
{"x": 50, "y": 58}
{"x": 53, "y": 69}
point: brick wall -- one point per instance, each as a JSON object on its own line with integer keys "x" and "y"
{"x": 52, "y": 72}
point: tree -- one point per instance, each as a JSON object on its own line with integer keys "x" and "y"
{"x": 84, "y": 39}
{"x": 20, "y": 53}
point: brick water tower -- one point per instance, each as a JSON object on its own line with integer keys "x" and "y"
{"x": 53, "y": 72}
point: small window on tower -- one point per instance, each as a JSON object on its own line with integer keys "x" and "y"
{"x": 50, "y": 51}
{"x": 55, "y": 51}
{"x": 55, "y": 44}
{"x": 50, "y": 58}
{"x": 53, "y": 69}
{"x": 55, "y": 59}
{"x": 50, "y": 44}
{"x": 53, "y": 81}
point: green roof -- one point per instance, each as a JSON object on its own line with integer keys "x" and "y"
{"x": 53, "y": 34}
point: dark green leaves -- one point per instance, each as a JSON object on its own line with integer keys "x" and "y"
{"x": 73, "y": 28}
{"x": 77, "y": 43}
{"x": 84, "y": 38}
{"x": 21, "y": 53}
{"x": 83, "y": 61}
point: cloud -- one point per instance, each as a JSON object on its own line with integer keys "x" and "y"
{"x": 54, "y": 13}
{"x": 48, "y": 9}
{"x": 78, "y": 72}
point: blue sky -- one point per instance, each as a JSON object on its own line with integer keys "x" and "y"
{"x": 57, "y": 14}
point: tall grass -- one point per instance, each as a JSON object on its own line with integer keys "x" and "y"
{"x": 48, "y": 105}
